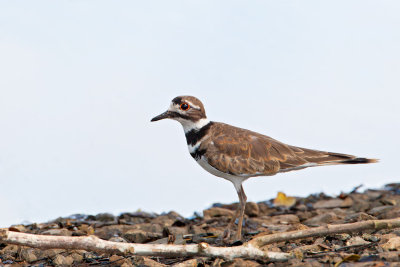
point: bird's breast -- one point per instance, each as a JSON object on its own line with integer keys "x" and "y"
{"x": 196, "y": 151}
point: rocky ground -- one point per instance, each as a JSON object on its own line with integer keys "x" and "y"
{"x": 370, "y": 248}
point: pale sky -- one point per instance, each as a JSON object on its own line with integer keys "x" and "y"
{"x": 80, "y": 81}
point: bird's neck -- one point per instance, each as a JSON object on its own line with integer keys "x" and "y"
{"x": 194, "y": 125}
{"x": 195, "y": 135}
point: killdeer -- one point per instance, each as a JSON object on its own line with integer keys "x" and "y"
{"x": 237, "y": 154}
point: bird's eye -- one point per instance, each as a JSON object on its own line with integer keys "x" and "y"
{"x": 184, "y": 106}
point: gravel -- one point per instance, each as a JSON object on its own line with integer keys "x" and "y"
{"x": 370, "y": 248}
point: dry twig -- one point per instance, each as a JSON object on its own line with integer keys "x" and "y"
{"x": 326, "y": 230}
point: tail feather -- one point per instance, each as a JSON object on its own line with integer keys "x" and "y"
{"x": 358, "y": 161}
{"x": 321, "y": 158}
{"x": 286, "y": 167}
{"x": 337, "y": 158}
{"x": 305, "y": 158}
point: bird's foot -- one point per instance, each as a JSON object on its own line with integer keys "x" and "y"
{"x": 228, "y": 239}
{"x": 226, "y": 236}
{"x": 236, "y": 243}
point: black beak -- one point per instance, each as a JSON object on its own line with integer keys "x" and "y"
{"x": 162, "y": 116}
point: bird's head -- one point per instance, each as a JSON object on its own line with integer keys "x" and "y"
{"x": 188, "y": 110}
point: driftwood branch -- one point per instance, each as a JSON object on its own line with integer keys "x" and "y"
{"x": 326, "y": 230}
{"x": 251, "y": 250}
{"x": 92, "y": 243}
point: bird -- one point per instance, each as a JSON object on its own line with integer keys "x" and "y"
{"x": 237, "y": 154}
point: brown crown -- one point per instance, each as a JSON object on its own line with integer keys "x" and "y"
{"x": 194, "y": 113}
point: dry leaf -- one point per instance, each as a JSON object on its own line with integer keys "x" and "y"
{"x": 283, "y": 200}
{"x": 353, "y": 257}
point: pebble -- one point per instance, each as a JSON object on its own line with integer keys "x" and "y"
{"x": 370, "y": 237}
{"x": 328, "y": 204}
{"x": 379, "y": 210}
{"x": 343, "y": 237}
{"x": 321, "y": 219}
{"x": 389, "y": 256}
{"x": 105, "y": 217}
{"x": 116, "y": 259}
{"x": 252, "y": 209}
{"x": 217, "y": 212}
{"x": 143, "y": 261}
{"x": 356, "y": 241}
{"x": 240, "y": 263}
{"x": 358, "y": 217}
{"x": 129, "y": 264}
{"x": 77, "y": 257}
{"x": 140, "y": 236}
{"x": 60, "y": 260}
{"x": 188, "y": 263}
{"x": 285, "y": 219}
{"x": 391, "y": 244}
{"x": 391, "y": 213}
{"x": 17, "y": 228}
{"x": 173, "y": 230}
{"x": 347, "y": 202}
{"x": 28, "y": 255}
{"x": 59, "y": 232}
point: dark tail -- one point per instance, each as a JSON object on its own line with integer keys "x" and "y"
{"x": 337, "y": 158}
{"x": 359, "y": 161}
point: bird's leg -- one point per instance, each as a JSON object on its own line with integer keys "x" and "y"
{"x": 242, "y": 205}
{"x": 227, "y": 232}
{"x": 233, "y": 220}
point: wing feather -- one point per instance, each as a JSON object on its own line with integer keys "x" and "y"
{"x": 245, "y": 153}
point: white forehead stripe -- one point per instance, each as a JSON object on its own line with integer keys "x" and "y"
{"x": 192, "y": 105}
{"x": 173, "y": 105}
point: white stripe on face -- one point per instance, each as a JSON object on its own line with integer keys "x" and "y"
{"x": 176, "y": 108}
{"x": 192, "y": 105}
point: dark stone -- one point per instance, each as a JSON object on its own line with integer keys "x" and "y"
{"x": 105, "y": 217}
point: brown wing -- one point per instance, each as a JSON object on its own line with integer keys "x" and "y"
{"x": 245, "y": 153}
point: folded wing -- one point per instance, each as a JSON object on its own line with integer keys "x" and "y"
{"x": 245, "y": 153}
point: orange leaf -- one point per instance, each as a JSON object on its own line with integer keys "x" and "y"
{"x": 283, "y": 200}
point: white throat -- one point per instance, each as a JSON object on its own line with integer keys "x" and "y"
{"x": 190, "y": 125}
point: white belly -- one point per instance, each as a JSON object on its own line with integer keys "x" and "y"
{"x": 236, "y": 180}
